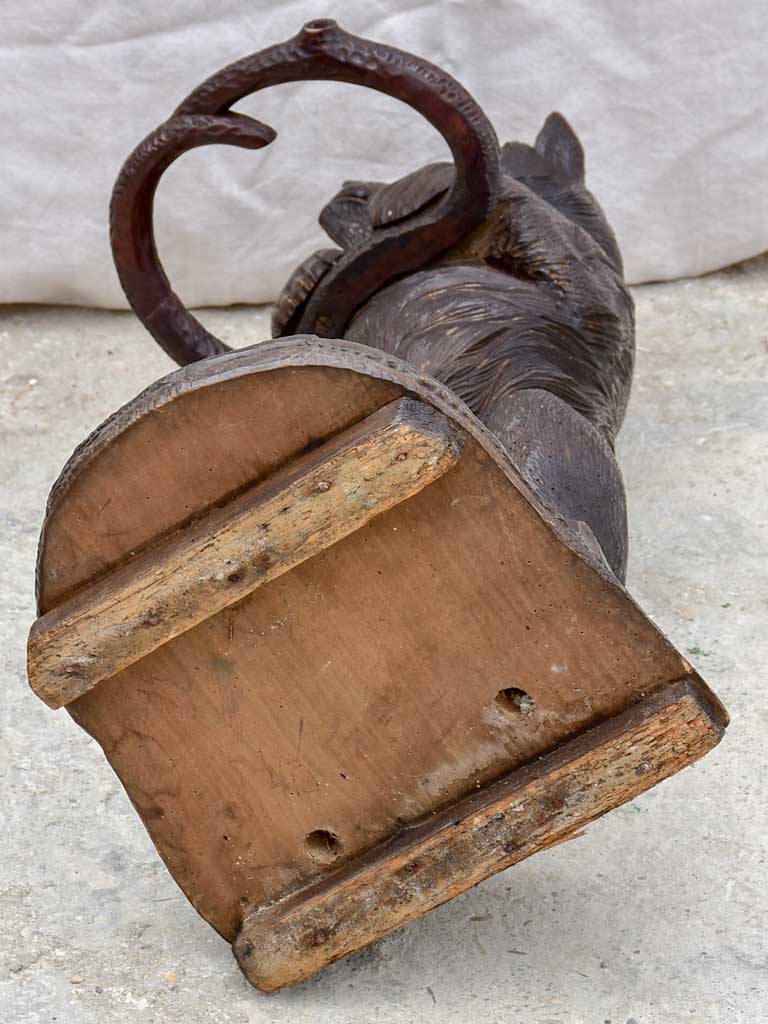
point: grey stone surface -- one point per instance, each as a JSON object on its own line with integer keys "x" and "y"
{"x": 656, "y": 916}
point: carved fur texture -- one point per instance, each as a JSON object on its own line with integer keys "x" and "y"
{"x": 527, "y": 319}
{"x": 497, "y": 273}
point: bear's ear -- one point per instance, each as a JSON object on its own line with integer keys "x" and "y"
{"x": 558, "y": 143}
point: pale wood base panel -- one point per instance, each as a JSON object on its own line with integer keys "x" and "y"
{"x": 361, "y": 689}
{"x": 430, "y": 863}
{"x": 229, "y": 552}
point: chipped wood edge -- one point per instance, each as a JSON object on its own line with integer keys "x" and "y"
{"x": 229, "y": 552}
{"x": 531, "y": 809}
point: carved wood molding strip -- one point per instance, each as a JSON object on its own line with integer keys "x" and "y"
{"x": 226, "y": 554}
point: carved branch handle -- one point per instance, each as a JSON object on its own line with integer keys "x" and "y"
{"x": 321, "y": 51}
{"x": 132, "y": 233}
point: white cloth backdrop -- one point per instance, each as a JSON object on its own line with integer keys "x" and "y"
{"x": 670, "y": 99}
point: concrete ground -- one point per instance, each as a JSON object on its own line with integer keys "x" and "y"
{"x": 656, "y": 916}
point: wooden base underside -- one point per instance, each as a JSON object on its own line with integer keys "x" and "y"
{"x": 343, "y": 663}
{"x": 429, "y": 863}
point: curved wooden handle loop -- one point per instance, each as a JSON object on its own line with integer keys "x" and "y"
{"x": 321, "y": 51}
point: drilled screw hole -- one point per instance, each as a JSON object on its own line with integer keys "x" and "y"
{"x": 514, "y": 701}
{"x": 323, "y": 846}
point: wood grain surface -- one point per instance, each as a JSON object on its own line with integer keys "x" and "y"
{"x": 229, "y": 552}
{"x": 531, "y": 809}
{"x": 366, "y": 687}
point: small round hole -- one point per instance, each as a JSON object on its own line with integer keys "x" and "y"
{"x": 319, "y": 24}
{"x": 514, "y": 701}
{"x": 323, "y": 846}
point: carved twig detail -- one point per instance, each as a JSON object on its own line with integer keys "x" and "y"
{"x": 320, "y": 51}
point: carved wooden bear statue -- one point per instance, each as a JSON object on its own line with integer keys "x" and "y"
{"x": 498, "y": 275}
{"x": 527, "y": 319}
{"x": 362, "y": 641}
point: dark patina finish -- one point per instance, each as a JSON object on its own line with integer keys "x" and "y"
{"x": 497, "y": 274}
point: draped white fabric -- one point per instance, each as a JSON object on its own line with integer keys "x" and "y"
{"x": 669, "y": 98}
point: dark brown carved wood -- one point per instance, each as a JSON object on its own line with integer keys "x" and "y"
{"x": 520, "y": 306}
{"x": 363, "y": 640}
{"x": 320, "y": 51}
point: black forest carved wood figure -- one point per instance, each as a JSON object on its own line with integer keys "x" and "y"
{"x": 345, "y": 610}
